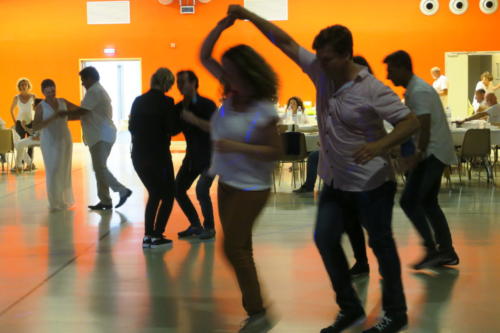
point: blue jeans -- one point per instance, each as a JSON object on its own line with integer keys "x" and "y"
{"x": 420, "y": 203}
{"x": 374, "y": 210}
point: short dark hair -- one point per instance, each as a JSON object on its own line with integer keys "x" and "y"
{"x": 481, "y": 90}
{"x": 48, "y": 83}
{"x": 360, "y": 60}
{"x": 400, "y": 59}
{"x": 338, "y": 36}
{"x": 90, "y": 73}
{"x": 191, "y": 76}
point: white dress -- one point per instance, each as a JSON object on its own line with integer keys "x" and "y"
{"x": 57, "y": 149}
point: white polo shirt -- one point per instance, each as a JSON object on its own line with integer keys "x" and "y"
{"x": 422, "y": 99}
{"x": 97, "y": 125}
{"x": 441, "y": 83}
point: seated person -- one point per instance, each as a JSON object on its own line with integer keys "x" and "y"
{"x": 22, "y": 155}
{"x": 294, "y": 112}
{"x": 492, "y": 111}
{"x": 479, "y": 103}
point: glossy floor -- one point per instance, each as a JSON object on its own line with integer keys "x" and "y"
{"x": 82, "y": 271}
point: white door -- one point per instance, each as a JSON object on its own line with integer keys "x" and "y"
{"x": 122, "y": 81}
{"x": 458, "y": 78}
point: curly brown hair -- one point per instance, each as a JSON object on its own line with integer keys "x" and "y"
{"x": 254, "y": 70}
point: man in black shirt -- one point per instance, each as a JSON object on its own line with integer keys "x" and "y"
{"x": 197, "y": 159}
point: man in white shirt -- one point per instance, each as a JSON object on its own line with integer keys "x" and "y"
{"x": 479, "y": 102}
{"x": 434, "y": 152}
{"x": 99, "y": 133}
{"x": 440, "y": 84}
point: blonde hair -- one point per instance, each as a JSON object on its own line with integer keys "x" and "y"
{"x": 487, "y": 75}
{"x": 163, "y": 77}
{"x": 21, "y": 80}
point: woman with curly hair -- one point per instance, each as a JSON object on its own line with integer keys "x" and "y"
{"x": 246, "y": 144}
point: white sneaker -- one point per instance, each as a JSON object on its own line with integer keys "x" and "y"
{"x": 259, "y": 323}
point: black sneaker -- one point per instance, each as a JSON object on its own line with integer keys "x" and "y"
{"x": 449, "y": 258}
{"x": 389, "y": 324}
{"x": 431, "y": 259}
{"x": 146, "y": 242}
{"x": 191, "y": 231}
{"x": 303, "y": 189}
{"x": 359, "y": 270}
{"x": 100, "y": 206}
{"x": 207, "y": 234}
{"x": 344, "y": 321}
{"x": 157, "y": 242}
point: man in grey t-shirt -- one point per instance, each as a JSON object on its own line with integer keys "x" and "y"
{"x": 435, "y": 151}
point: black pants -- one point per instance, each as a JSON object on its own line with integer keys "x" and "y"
{"x": 157, "y": 174}
{"x": 23, "y": 134}
{"x": 374, "y": 209}
{"x": 183, "y": 181}
{"x": 420, "y": 203}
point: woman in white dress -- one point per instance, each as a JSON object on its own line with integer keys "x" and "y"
{"x": 51, "y": 117}
{"x": 24, "y": 102}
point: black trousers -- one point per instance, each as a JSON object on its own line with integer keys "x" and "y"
{"x": 186, "y": 175}
{"x": 23, "y": 134}
{"x": 156, "y": 172}
{"x": 420, "y": 203}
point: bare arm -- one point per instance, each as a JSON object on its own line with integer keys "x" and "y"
{"x": 402, "y": 131}
{"x": 270, "y": 151}
{"x": 275, "y": 34}
{"x": 207, "y": 47}
{"x": 443, "y": 92}
{"x": 74, "y": 111}
{"x": 478, "y": 115}
{"x": 12, "y": 107}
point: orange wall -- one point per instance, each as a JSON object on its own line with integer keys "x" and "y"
{"x": 41, "y": 39}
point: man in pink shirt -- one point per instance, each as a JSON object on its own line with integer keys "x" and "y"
{"x": 354, "y": 165}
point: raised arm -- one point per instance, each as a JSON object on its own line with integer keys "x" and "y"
{"x": 275, "y": 35}
{"x": 206, "y": 58}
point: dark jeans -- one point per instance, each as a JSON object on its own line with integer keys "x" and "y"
{"x": 312, "y": 170}
{"x": 157, "y": 175}
{"x": 23, "y": 134}
{"x": 420, "y": 203}
{"x": 183, "y": 181}
{"x": 374, "y": 209}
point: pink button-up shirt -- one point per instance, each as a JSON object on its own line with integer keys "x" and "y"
{"x": 348, "y": 119}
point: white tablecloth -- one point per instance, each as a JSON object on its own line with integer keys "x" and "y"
{"x": 312, "y": 141}
{"x": 459, "y": 133}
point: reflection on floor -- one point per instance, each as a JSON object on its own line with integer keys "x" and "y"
{"x": 81, "y": 271}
